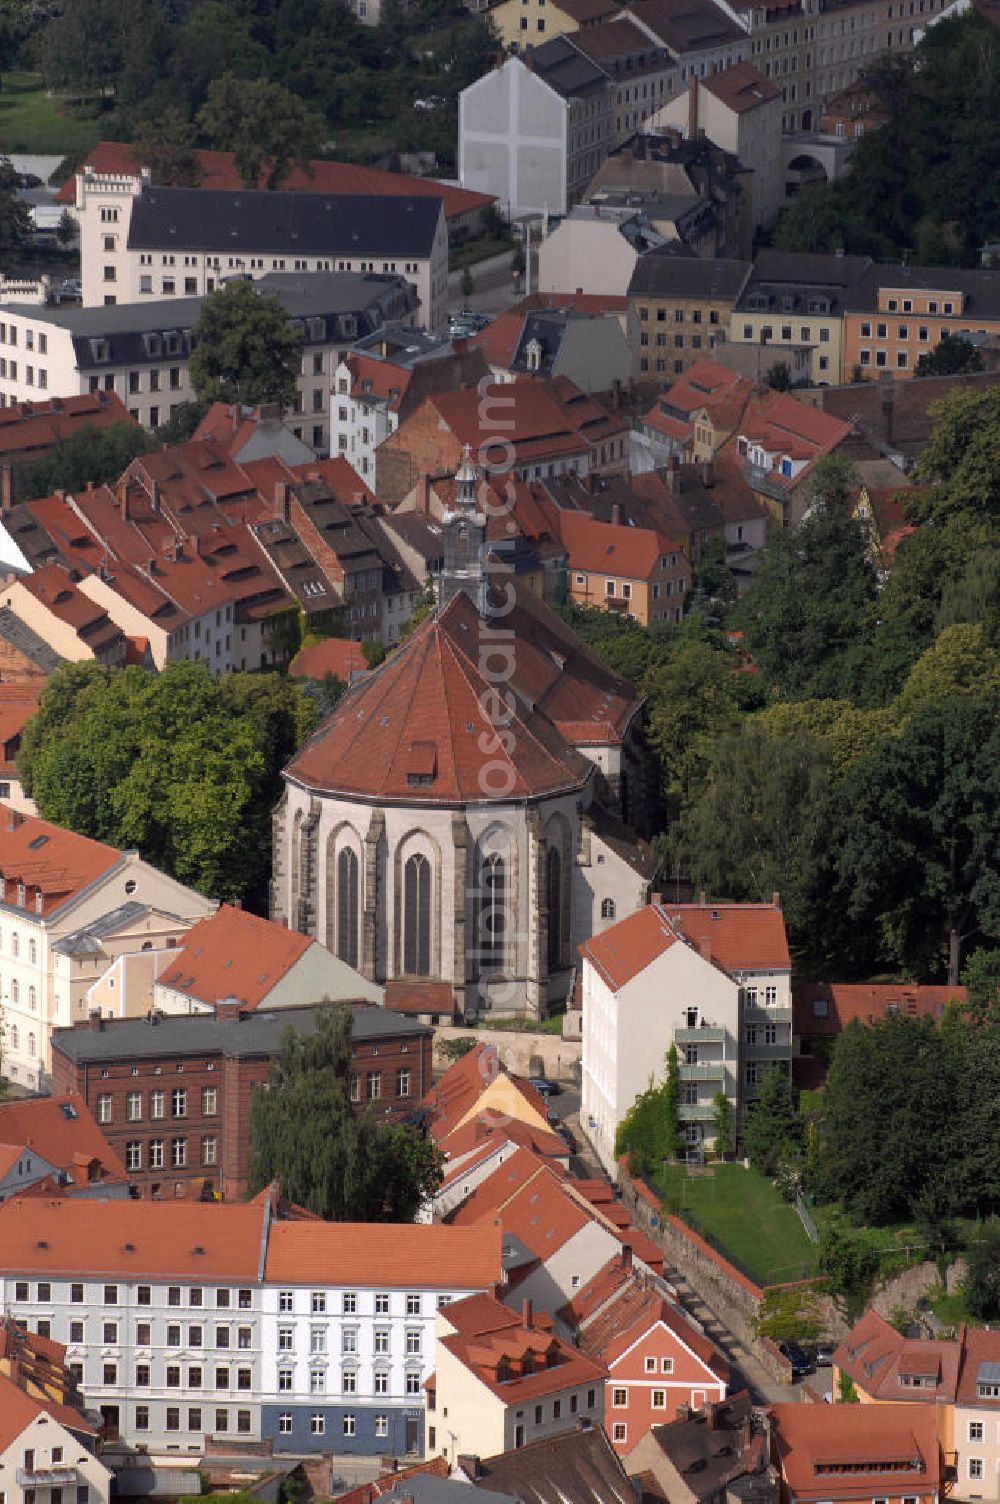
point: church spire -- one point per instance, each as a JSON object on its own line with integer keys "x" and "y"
{"x": 464, "y": 566}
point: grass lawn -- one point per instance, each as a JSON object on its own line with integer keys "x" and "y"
{"x": 32, "y": 122}
{"x": 742, "y": 1214}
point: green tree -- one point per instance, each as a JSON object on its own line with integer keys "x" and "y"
{"x": 811, "y": 603}
{"x": 722, "y": 1123}
{"x": 305, "y": 1134}
{"x": 66, "y": 229}
{"x": 91, "y": 455}
{"x": 779, "y": 376}
{"x": 981, "y": 978}
{"x": 952, "y": 356}
{"x": 15, "y": 219}
{"x": 180, "y": 764}
{"x": 773, "y": 1126}
{"x": 650, "y": 1131}
{"x": 918, "y": 860}
{"x": 844, "y": 729}
{"x": 244, "y": 348}
{"x": 960, "y": 662}
{"x": 692, "y": 699}
{"x": 167, "y": 146}
{"x": 268, "y": 128}
{"x": 468, "y": 282}
{"x": 982, "y": 1279}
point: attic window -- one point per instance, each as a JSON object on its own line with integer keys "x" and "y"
{"x": 68, "y": 1110}
{"x": 41, "y": 1243}
{"x": 715, "y": 913}
{"x": 38, "y": 841}
{"x": 421, "y": 764}
{"x": 819, "y": 1007}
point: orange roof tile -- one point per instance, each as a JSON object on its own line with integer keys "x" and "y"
{"x": 609, "y": 548}
{"x": 63, "y": 1131}
{"x": 334, "y": 655}
{"x": 110, "y": 1237}
{"x": 828, "y": 1007}
{"x": 822, "y": 1448}
{"x": 625, "y": 949}
{"x": 878, "y": 1357}
{"x": 420, "y": 997}
{"x": 18, "y": 703}
{"x": 742, "y": 87}
{"x": 742, "y": 936}
{"x": 219, "y": 170}
{"x": 411, "y": 1255}
{"x": 234, "y": 954}
{"x": 18, "y": 1410}
{"x": 517, "y": 1357}
{"x": 31, "y": 427}
{"x": 493, "y": 1195}
{"x": 47, "y": 859}
{"x": 53, "y": 588}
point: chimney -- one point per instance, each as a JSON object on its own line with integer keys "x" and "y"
{"x": 888, "y": 399}
{"x": 626, "y": 1256}
{"x": 703, "y": 899}
{"x": 14, "y": 820}
{"x": 693, "y": 109}
{"x": 94, "y": 1020}
{"x": 527, "y": 1312}
{"x": 705, "y": 947}
{"x": 121, "y": 494}
{"x": 6, "y": 487}
{"x": 776, "y": 900}
{"x": 708, "y": 474}
{"x": 425, "y": 499}
{"x": 616, "y": 514}
{"x": 282, "y": 500}
{"x": 711, "y": 1415}
{"x": 235, "y": 416}
{"x": 683, "y": 1412}
{"x": 470, "y": 1465}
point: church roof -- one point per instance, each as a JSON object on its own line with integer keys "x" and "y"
{"x": 423, "y": 727}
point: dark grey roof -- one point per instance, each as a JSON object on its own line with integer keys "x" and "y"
{"x": 981, "y": 289}
{"x": 565, "y": 68}
{"x": 14, "y": 631}
{"x": 182, "y": 1034}
{"x": 660, "y": 276}
{"x": 329, "y": 306}
{"x": 794, "y": 282}
{"x": 87, "y": 941}
{"x": 688, "y": 25}
{"x": 578, "y": 1465}
{"x": 304, "y": 224}
{"x": 427, "y": 1488}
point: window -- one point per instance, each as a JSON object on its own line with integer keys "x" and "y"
{"x": 142, "y": 1417}
{"x": 553, "y": 885}
{"x": 319, "y": 1302}
{"x": 413, "y": 1342}
{"x": 284, "y": 1300}
{"x": 317, "y": 1425}
{"x": 659, "y": 1399}
{"x": 417, "y": 916}
{"x": 619, "y": 1432}
{"x": 413, "y": 1305}
{"x": 156, "y": 1154}
{"x": 209, "y": 1151}
{"x": 975, "y": 1430}
{"x": 76, "y": 1294}
{"x": 382, "y": 1427}
{"x": 222, "y": 1420}
{"x": 173, "y": 1336}
{"x": 317, "y": 1339}
{"x": 413, "y": 1382}
{"x": 402, "y": 1083}
{"x": 975, "y": 1467}
{"x": 104, "y": 1107}
{"x": 179, "y": 1102}
{"x": 317, "y": 1380}
{"x": 349, "y": 1339}
{"x": 284, "y": 1380}
{"x": 195, "y": 1336}
{"x": 209, "y": 1101}
{"x": 222, "y": 1378}
{"x": 650, "y": 1365}
{"x": 619, "y": 1398}
{"x": 284, "y": 1423}
{"x": 178, "y": 1153}
{"x": 173, "y": 1376}
{"x": 156, "y": 1104}
{"x": 111, "y": 1374}
{"x": 194, "y": 1378}
{"x": 381, "y": 1381}
{"x": 110, "y": 1295}
{"x": 381, "y": 1304}
{"x": 133, "y": 1106}
{"x": 349, "y": 1381}
{"x": 381, "y": 1339}
{"x": 666, "y": 1365}
{"x": 349, "y": 1425}
{"x": 222, "y": 1336}
{"x": 347, "y": 906}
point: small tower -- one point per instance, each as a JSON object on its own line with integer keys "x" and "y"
{"x": 464, "y": 566}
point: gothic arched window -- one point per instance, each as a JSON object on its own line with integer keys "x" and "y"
{"x": 347, "y": 906}
{"x": 493, "y": 914}
{"x": 417, "y": 917}
{"x": 553, "y": 887}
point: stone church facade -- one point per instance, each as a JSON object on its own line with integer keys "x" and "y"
{"x": 443, "y": 825}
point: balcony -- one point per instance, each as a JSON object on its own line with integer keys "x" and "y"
{"x": 757, "y": 1013}
{"x": 766, "y": 1052}
{"x": 58, "y": 1476}
{"x": 701, "y": 1035}
{"x": 713, "y": 1070}
{"x": 696, "y": 1112}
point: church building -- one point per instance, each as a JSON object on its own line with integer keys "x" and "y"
{"x": 464, "y": 814}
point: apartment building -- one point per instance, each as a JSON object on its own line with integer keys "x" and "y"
{"x": 187, "y": 1321}
{"x": 53, "y": 1145}
{"x": 54, "y": 885}
{"x": 683, "y": 309}
{"x": 139, "y": 243}
{"x": 135, "y": 355}
{"x": 895, "y": 314}
{"x": 704, "y": 37}
{"x": 714, "y": 980}
{"x": 503, "y": 1380}
{"x": 718, "y": 1453}
{"x": 643, "y": 70}
{"x": 776, "y": 442}
{"x": 630, "y": 571}
{"x": 532, "y": 132}
{"x": 172, "y": 1094}
{"x": 799, "y": 299}
{"x": 522, "y": 24}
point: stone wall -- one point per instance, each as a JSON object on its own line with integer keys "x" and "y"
{"x": 520, "y": 1051}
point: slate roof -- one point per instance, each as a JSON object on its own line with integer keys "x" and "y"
{"x": 562, "y": 65}
{"x": 86, "y": 941}
{"x": 688, "y": 25}
{"x": 578, "y": 1465}
{"x": 664, "y": 276}
{"x": 21, "y": 637}
{"x": 308, "y": 224}
{"x": 705, "y": 1455}
{"x": 202, "y": 1033}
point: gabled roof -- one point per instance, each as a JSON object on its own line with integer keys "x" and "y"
{"x": 234, "y": 954}
{"x": 18, "y": 703}
{"x": 333, "y": 655}
{"x": 632, "y": 553}
{"x": 782, "y": 425}
{"x": 878, "y": 1358}
{"x": 64, "y": 1132}
{"x": 981, "y": 1347}
{"x": 578, "y": 1465}
{"x": 493, "y": 1195}
{"x": 49, "y": 860}
{"x": 716, "y": 1444}
{"x": 823, "y": 1447}
{"x": 742, "y": 87}
{"x": 28, "y": 428}
{"x": 634, "y": 1311}
{"x": 53, "y": 588}
{"x": 740, "y": 936}
{"x": 519, "y": 1358}
{"x": 18, "y": 1410}
{"x": 625, "y": 949}
{"x": 111, "y": 1237}
{"x": 412, "y": 1256}
{"x": 688, "y": 25}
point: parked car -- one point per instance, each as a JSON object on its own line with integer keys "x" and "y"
{"x": 70, "y": 291}
{"x": 797, "y": 1357}
{"x": 544, "y": 1087}
{"x": 823, "y": 1354}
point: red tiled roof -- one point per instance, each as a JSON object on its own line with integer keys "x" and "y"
{"x": 538, "y": 417}
{"x": 482, "y": 1133}
{"x": 410, "y": 1255}
{"x": 878, "y": 1357}
{"x": 18, "y": 703}
{"x": 782, "y": 424}
{"x": 32, "y": 427}
{"x": 581, "y": 302}
{"x": 742, "y": 87}
{"x": 828, "y": 1007}
{"x": 63, "y": 1131}
{"x": 608, "y": 548}
{"x": 625, "y": 949}
{"x": 822, "y": 1448}
{"x": 18, "y": 1410}
{"x": 742, "y": 936}
{"x": 980, "y": 1345}
{"x": 234, "y": 954}
{"x": 420, "y": 997}
{"x": 53, "y": 588}
{"x": 219, "y": 171}
{"x": 367, "y": 1493}
{"x": 334, "y": 655}
{"x": 110, "y": 1237}
{"x": 491, "y": 1197}
{"x": 46, "y": 858}
{"x": 490, "y": 1335}
{"x": 372, "y": 377}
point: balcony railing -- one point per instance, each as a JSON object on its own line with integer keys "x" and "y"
{"x": 766, "y": 1052}
{"x": 705, "y": 1070}
{"x": 46, "y": 1477}
{"x": 701, "y": 1035}
{"x": 696, "y": 1112}
{"x": 758, "y": 1013}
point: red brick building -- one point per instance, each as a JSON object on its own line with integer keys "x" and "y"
{"x": 172, "y": 1094}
